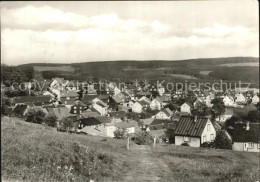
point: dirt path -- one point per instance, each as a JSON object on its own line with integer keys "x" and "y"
{"x": 148, "y": 167}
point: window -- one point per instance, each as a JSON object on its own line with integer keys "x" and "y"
{"x": 208, "y": 127}
{"x": 186, "y": 139}
{"x": 75, "y": 111}
{"x": 212, "y": 137}
{"x": 250, "y": 145}
{"x": 68, "y": 98}
{"x": 204, "y": 139}
{"x": 65, "y": 102}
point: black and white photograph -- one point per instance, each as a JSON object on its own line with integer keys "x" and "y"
{"x": 130, "y": 91}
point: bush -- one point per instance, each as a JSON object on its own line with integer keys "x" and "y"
{"x": 185, "y": 144}
{"x": 222, "y": 141}
{"x": 35, "y": 116}
{"x": 143, "y": 138}
{"x": 208, "y": 145}
{"x": 120, "y": 133}
{"x": 51, "y": 120}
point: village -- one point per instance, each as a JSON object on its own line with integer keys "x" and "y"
{"x": 177, "y": 117}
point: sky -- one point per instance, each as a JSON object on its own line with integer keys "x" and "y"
{"x": 84, "y": 31}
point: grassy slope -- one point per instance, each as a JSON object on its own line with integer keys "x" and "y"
{"x": 200, "y": 164}
{"x": 29, "y": 152}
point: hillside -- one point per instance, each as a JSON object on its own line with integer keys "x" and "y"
{"x": 32, "y": 152}
{"x": 157, "y": 70}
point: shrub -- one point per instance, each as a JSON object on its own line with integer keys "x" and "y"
{"x": 208, "y": 145}
{"x": 35, "y": 116}
{"x": 51, "y": 120}
{"x": 185, "y": 144}
{"x": 120, "y": 133}
{"x": 222, "y": 141}
{"x": 143, "y": 138}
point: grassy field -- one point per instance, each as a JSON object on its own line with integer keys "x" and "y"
{"x": 32, "y": 152}
{"x": 200, "y": 164}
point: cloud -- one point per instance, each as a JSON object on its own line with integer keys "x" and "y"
{"x": 47, "y": 34}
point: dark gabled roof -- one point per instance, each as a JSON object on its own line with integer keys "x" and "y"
{"x": 41, "y": 98}
{"x": 89, "y": 98}
{"x": 160, "y": 122}
{"x": 103, "y": 97}
{"x": 126, "y": 124}
{"x": 103, "y": 119}
{"x": 89, "y": 121}
{"x": 187, "y": 126}
{"x": 167, "y": 111}
{"x": 117, "y": 114}
{"x": 37, "y": 103}
{"x": 240, "y": 134}
{"x": 20, "y": 109}
{"x": 117, "y": 99}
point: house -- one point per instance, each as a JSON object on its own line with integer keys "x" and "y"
{"x": 59, "y": 112}
{"x": 44, "y": 100}
{"x": 240, "y": 98}
{"x": 69, "y": 98}
{"x": 88, "y": 99}
{"x": 20, "y": 110}
{"x": 139, "y": 106}
{"x": 145, "y": 99}
{"x": 165, "y": 99}
{"x": 145, "y": 123}
{"x": 101, "y": 107}
{"x": 158, "y": 124}
{"x": 117, "y": 114}
{"x": 245, "y": 137}
{"x": 156, "y": 104}
{"x": 255, "y": 99}
{"x": 58, "y": 84}
{"x": 194, "y": 131}
{"x": 228, "y": 101}
{"x": 165, "y": 113}
{"x": 208, "y": 100}
{"x": 76, "y": 109}
{"x": 229, "y": 112}
{"x": 89, "y": 114}
{"x": 128, "y": 125}
{"x": 186, "y": 107}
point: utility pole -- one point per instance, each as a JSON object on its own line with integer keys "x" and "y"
{"x": 154, "y": 140}
{"x": 128, "y": 143}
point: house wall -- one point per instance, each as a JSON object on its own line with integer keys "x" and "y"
{"x": 130, "y": 130}
{"x": 161, "y": 115}
{"x": 110, "y": 131}
{"x": 255, "y": 99}
{"x": 240, "y": 146}
{"x": 194, "y": 142}
{"x": 207, "y": 133}
{"x": 101, "y": 110}
{"x": 155, "y": 105}
{"x": 185, "y": 108}
{"x": 137, "y": 108}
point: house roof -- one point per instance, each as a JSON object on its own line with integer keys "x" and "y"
{"x": 117, "y": 98}
{"x": 187, "y": 126}
{"x": 143, "y": 103}
{"x": 103, "y": 97}
{"x": 89, "y": 98}
{"x": 70, "y": 94}
{"x": 147, "y": 121}
{"x": 240, "y": 134}
{"x": 60, "y": 112}
{"x": 101, "y": 103}
{"x": 41, "y": 98}
{"x": 164, "y": 98}
{"x": 92, "y": 131}
{"x": 117, "y": 114}
{"x": 160, "y": 122}
{"x": 20, "y": 109}
{"x": 189, "y": 104}
{"x": 88, "y": 114}
{"x": 37, "y": 103}
{"x": 103, "y": 119}
{"x": 167, "y": 111}
{"x": 90, "y": 121}
{"x": 126, "y": 124}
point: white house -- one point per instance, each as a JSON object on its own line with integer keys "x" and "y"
{"x": 208, "y": 100}
{"x": 101, "y": 107}
{"x": 163, "y": 114}
{"x": 228, "y": 101}
{"x": 156, "y": 104}
{"x": 194, "y": 131}
{"x": 138, "y": 107}
{"x": 255, "y": 99}
{"x": 144, "y": 98}
{"x": 186, "y": 107}
{"x": 245, "y": 137}
{"x": 240, "y": 98}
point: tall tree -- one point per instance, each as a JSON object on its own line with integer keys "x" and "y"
{"x": 218, "y": 107}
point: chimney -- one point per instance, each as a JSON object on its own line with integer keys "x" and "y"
{"x": 195, "y": 119}
{"x": 247, "y": 125}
